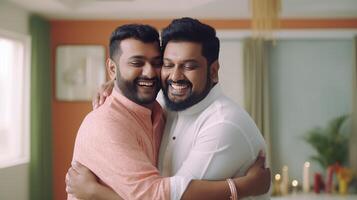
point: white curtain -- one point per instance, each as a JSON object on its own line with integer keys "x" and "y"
{"x": 256, "y": 86}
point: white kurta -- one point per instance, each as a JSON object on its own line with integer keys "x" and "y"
{"x": 215, "y": 139}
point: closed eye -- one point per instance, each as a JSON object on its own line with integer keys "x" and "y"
{"x": 168, "y": 65}
{"x": 190, "y": 66}
{"x": 136, "y": 63}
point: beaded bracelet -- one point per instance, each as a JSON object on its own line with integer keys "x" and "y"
{"x": 232, "y": 187}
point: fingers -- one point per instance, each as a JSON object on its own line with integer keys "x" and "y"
{"x": 69, "y": 190}
{"x": 95, "y": 101}
{"x": 269, "y": 172}
{"x": 68, "y": 185}
{"x": 79, "y": 168}
{"x": 104, "y": 91}
{"x": 67, "y": 179}
{"x": 71, "y": 172}
{"x": 108, "y": 88}
{"x": 101, "y": 99}
{"x": 261, "y": 159}
{"x": 268, "y": 175}
{"x": 261, "y": 153}
{"x": 260, "y": 162}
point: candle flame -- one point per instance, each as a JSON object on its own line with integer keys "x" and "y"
{"x": 295, "y": 183}
{"x": 277, "y": 177}
{"x": 307, "y": 164}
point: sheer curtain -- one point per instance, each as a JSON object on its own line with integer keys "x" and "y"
{"x": 256, "y": 86}
{"x": 41, "y": 128}
{"x": 353, "y": 147}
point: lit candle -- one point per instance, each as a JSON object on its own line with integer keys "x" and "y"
{"x": 294, "y": 185}
{"x": 306, "y": 178}
{"x": 277, "y": 186}
{"x": 285, "y": 181}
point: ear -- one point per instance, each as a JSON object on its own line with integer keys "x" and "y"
{"x": 214, "y": 71}
{"x": 111, "y": 68}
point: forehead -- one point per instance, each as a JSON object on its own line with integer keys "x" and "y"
{"x": 183, "y": 50}
{"x": 130, "y": 47}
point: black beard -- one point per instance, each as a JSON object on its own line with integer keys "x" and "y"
{"x": 129, "y": 89}
{"x": 191, "y": 100}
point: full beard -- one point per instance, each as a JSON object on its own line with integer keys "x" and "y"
{"x": 191, "y": 100}
{"x": 130, "y": 90}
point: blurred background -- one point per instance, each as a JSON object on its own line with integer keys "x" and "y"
{"x": 290, "y": 63}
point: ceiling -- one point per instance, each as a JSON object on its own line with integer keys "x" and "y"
{"x": 163, "y": 9}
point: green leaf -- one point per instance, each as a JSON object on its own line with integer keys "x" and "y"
{"x": 330, "y": 145}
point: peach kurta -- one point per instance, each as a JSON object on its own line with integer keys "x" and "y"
{"x": 119, "y": 142}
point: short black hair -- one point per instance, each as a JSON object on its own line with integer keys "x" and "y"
{"x": 144, "y": 33}
{"x": 192, "y": 30}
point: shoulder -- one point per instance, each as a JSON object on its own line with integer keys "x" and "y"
{"x": 226, "y": 119}
{"x": 223, "y": 110}
{"x": 105, "y": 123}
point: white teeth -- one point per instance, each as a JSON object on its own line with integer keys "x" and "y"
{"x": 148, "y": 84}
{"x": 178, "y": 87}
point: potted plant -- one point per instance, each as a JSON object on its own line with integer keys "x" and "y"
{"x": 330, "y": 144}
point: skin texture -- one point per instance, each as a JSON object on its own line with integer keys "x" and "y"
{"x": 137, "y": 70}
{"x": 186, "y": 77}
{"x": 184, "y": 62}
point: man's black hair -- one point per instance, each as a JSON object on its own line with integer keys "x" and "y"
{"x": 192, "y": 30}
{"x": 143, "y": 33}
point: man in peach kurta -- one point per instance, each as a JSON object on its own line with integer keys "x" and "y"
{"x": 119, "y": 142}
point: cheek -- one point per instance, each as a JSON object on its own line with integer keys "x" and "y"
{"x": 164, "y": 74}
{"x": 130, "y": 73}
{"x": 198, "y": 80}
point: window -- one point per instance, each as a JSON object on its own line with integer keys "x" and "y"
{"x": 14, "y": 98}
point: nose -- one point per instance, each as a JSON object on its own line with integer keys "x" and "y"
{"x": 149, "y": 71}
{"x": 176, "y": 74}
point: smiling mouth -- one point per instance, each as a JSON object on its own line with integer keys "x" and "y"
{"x": 146, "y": 83}
{"x": 178, "y": 89}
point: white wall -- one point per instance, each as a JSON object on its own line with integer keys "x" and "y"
{"x": 14, "y": 183}
{"x": 13, "y": 18}
{"x": 231, "y": 69}
{"x": 311, "y": 83}
{"x": 14, "y": 180}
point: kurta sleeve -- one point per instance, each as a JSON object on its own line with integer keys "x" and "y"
{"x": 220, "y": 151}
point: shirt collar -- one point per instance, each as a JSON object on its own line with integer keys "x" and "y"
{"x": 129, "y": 104}
{"x": 213, "y": 94}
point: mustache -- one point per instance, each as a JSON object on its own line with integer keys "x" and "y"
{"x": 179, "y": 82}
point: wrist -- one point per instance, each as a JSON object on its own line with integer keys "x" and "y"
{"x": 242, "y": 185}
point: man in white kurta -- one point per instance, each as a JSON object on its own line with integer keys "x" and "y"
{"x": 214, "y": 139}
